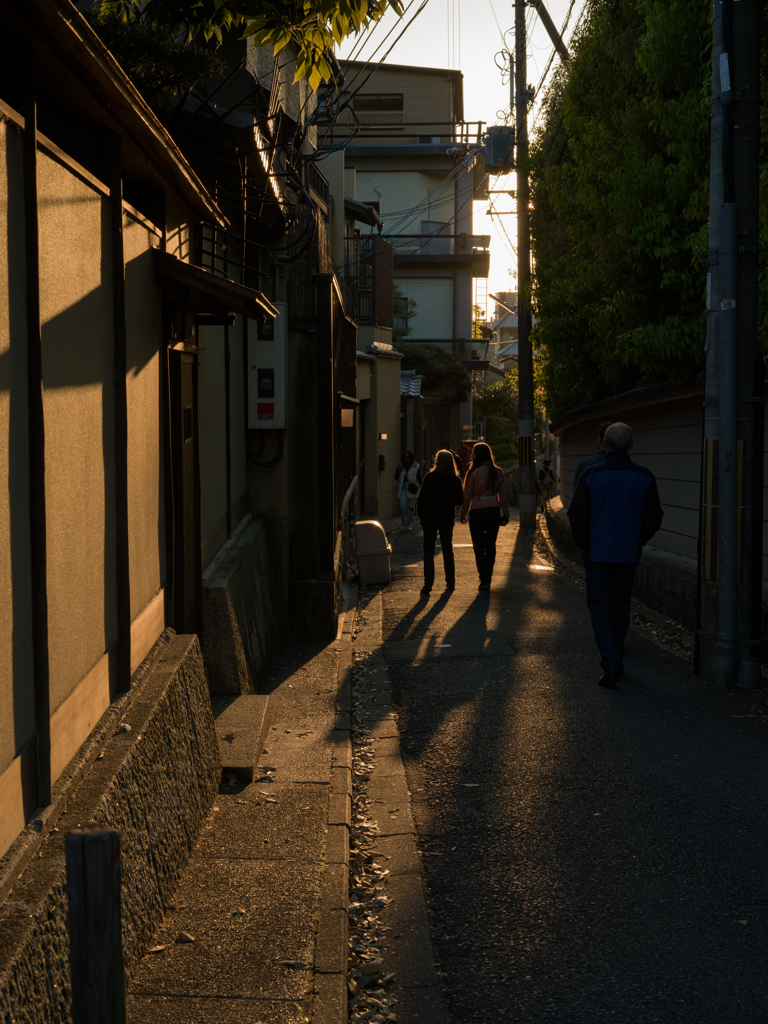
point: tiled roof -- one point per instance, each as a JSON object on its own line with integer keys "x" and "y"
{"x": 508, "y": 350}
{"x": 508, "y": 320}
{"x": 410, "y": 384}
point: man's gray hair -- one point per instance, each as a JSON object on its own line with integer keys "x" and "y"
{"x": 618, "y": 436}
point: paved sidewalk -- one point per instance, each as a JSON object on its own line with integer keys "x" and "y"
{"x": 590, "y": 855}
{"x": 257, "y": 933}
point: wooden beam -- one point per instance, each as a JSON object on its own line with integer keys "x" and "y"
{"x": 113, "y": 161}
{"x": 37, "y": 510}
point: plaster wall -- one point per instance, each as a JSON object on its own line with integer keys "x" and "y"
{"x": 387, "y": 386}
{"x": 434, "y": 299}
{"x": 178, "y": 236}
{"x": 16, "y": 687}
{"x": 427, "y": 96}
{"x": 211, "y": 428}
{"x": 146, "y": 511}
{"x": 76, "y": 305}
{"x": 238, "y": 421}
{"x": 401, "y": 191}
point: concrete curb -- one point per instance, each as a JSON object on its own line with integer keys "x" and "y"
{"x": 329, "y": 1005}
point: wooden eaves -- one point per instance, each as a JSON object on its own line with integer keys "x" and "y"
{"x": 206, "y": 292}
{"x": 67, "y": 50}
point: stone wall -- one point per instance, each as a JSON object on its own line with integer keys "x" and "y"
{"x": 154, "y": 785}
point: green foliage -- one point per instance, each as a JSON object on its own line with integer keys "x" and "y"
{"x": 157, "y": 64}
{"x": 444, "y": 376}
{"x": 314, "y": 26}
{"x": 498, "y": 404}
{"x": 405, "y": 310}
{"x": 620, "y": 189}
{"x": 499, "y": 399}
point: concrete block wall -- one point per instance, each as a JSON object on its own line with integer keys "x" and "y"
{"x": 245, "y": 606}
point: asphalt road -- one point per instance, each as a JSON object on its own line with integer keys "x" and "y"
{"x": 590, "y": 855}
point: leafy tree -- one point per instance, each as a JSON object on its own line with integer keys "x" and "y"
{"x": 314, "y": 26}
{"x": 157, "y": 64}
{"x": 405, "y": 310}
{"x": 497, "y": 402}
{"x": 444, "y": 376}
{"x": 478, "y": 318}
{"x": 620, "y": 193}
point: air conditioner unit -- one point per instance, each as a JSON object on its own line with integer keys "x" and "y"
{"x": 476, "y": 354}
{"x": 500, "y": 149}
{"x": 268, "y": 372}
{"x": 428, "y": 140}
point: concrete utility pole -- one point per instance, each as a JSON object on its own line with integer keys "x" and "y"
{"x": 527, "y": 483}
{"x": 730, "y": 550}
{"x": 519, "y": 99}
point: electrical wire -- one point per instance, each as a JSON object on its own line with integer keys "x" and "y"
{"x": 427, "y": 240}
{"x": 405, "y": 218}
{"x": 382, "y": 59}
{"x": 552, "y": 55}
{"x": 386, "y": 37}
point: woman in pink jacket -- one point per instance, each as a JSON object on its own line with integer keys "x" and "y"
{"x": 485, "y": 498}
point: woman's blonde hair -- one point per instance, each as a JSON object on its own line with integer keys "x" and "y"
{"x": 445, "y": 463}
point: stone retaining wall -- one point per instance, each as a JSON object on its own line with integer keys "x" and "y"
{"x": 155, "y": 785}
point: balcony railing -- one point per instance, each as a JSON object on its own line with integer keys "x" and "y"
{"x": 439, "y": 243}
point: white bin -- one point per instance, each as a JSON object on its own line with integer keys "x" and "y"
{"x": 372, "y": 551}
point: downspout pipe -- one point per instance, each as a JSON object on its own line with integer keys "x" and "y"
{"x": 726, "y": 655}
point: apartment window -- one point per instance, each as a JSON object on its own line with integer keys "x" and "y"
{"x": 379, "y": 109}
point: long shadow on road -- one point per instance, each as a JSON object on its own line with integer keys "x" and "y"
{"x": 590, "y": 855}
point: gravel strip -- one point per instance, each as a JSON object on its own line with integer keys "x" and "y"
{"x": 369, "y": 1000}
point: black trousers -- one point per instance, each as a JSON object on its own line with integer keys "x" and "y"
{"x": 484, "y": 530}
{"x": 609, "y": 592}
{"x": 445, "y": 529}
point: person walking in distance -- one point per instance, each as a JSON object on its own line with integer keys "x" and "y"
{"x": 485, "y": 500}
{"x": 456, "y": 458}
{"x": 436, "y": 504}
{"x": 592, "y": 460}
{"x": 614, "y": 511}
{"x": 408, "y": 476}
{"x": 546, "y": 481}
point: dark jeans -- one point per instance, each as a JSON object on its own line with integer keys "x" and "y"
{"x": 609, "y": 590}
{"x": 445, "y": 529}
{"x": 484, "y": 529}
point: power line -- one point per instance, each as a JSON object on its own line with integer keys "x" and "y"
{"x": 381, "y": 59}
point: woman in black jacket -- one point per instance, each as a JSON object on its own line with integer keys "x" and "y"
{"x": 436, "y": 504}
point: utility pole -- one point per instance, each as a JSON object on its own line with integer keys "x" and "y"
{"x": 730, "y": 546}
{"x": 520, "y": 98}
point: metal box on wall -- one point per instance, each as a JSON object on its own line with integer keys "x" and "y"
{"x": 268, "y": 372}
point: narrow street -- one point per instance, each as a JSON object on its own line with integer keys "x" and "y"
{"x": 589, "y": 854}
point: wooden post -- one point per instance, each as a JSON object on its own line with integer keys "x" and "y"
{"x": 95, "y": 934}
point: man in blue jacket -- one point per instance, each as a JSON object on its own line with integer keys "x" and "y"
{"x": 615, "y": 510}
{"x": 592, "y": 460}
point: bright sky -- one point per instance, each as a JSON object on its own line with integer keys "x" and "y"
{"x": 467, "y": 36}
